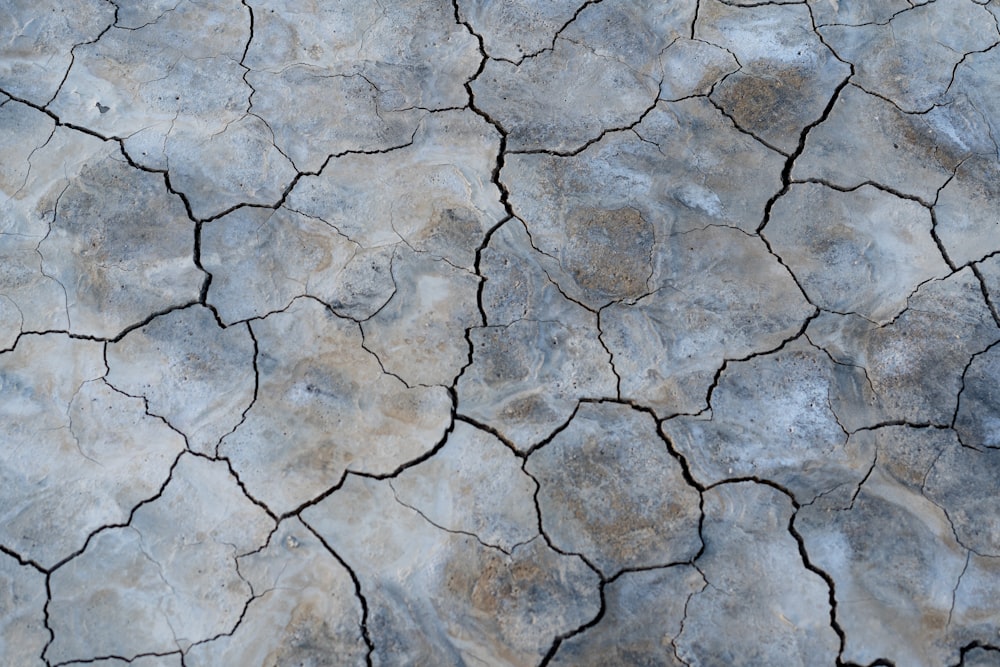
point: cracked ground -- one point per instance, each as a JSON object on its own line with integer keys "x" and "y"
{"x": 512, "y": 332}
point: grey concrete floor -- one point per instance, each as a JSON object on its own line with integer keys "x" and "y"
{"x": 510, "y": 332}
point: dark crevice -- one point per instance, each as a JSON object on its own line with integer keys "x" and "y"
{"x": 358, "y": 592}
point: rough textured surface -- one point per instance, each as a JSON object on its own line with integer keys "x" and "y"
{"x": 505, "y": 332}
{"x": 610, "y": 491}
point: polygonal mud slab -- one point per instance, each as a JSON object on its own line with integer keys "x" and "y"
{"x": 167, "y": 580}
{"x": 196, "y": 375}
{"x": 867, "y": 139}
{"x": 892, "y": 555}
{"x": 603, "y": 218}
{"x": 592, "y": 81}
{"x": 964, "y": 211}
{"x": 419, "y": 335}
{"x": 610, "y": 491}
{"x": 774, "y": 417}
{"x": 787, "y": 74}
{"x": 541, "y": 352}
{"x": 325, "y": 406}
{"x": 23, "y": 634}
{"x": 436, "y": 597}
{"x": 473, "y": 485}
{"x": 977, "y": 420}
{"x": 946, "y": 323}
{"x": 863, "y": 251}
{"x": 515, "y": 29}
{"x": 719, "y": 295}
{"x": 75, "y": 454}
{"x": 757, "y": 582}
{"x": 89, "y": 244}
{"x": 260, "y": 260}
{"x": 304, "y": 609}
{"x": 40, "y": 45}
{"x": 122, "y": 247}
{"x": 644, "y": 612}
{"x": 911, "y": 58}
{"x": 432, "y": 193}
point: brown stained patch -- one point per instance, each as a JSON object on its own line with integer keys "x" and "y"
{"x": 503, "y": 359}
{"x": 451, "y": 231}
{"x": 608, "y": 252}
{"x": 761, "y": 102}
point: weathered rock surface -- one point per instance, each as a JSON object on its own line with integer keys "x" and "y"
{"x": 718, "y": 295}
{"x": 910, "y": 58}
{"x": 324, "y": 406}
{"x": 301, "y": 590}
{"x": 946, "y": 323}
{"x": 787, "y": 74}
{"x": 755, "y": 581}
{"x": 76, "y": 454}
{"x": 577, "y": 332}
{"x": 591, "y": 81}
{"x": 22, "y": 613}
{"x": 896, "y": 580}
{"x": 867, "y": 139}
{"x": 473, "y": 485}
{"x": 539, "y": 355}
{"x": 166, "y": 580}
{"x": 863, "y": 251}
{"x": 196, "y": 375}
{"x": 774, "y": 417}
{"x": 609, "y": 490}
{"x": 436, "y": 597}
{"x": 643, "y": 615}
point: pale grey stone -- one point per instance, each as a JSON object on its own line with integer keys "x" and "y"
{"x": 892, "y": 556}
{"x": 787, "y": 74}
{"x": 435, "y": 597}
{"x": 174, "y": 90}
{"x": 757, "y": 585}
{"x": 774, "y": 417}
{"x": 324, "y": 406}
{"x": 911, "y": 58}
{"x": 974, "y": 616}
{"x": 75, "y": 455}
{"x": 643, "y": 614}
{"x": 619, "y": 201}
{"x": 693, "y": 67}
{"x": 120, "y": 245}
{"x": 362, "y": 74}
{"x": 855, "y": 12}
{"x": 960, "y": 482}
{"x": 733, "y": 300}
{"x": 977, "y": 420}
{"x": 22, "y": 613}
{"x": 965, "y": 211}
{"x": 434, "y": 196}
{"x": 261, "y": 260}
{"x": 861, "y": 252}
{"x": 419, "y": 335}
{"x": 590, "y": 82}
{"x": 539, "y": 355}
{"x": 946, "y": 323}
{"x": 413, "y": 53}
{"x": 196, "y": 375}
{"x": 973, "y": 78}
{"x": 304, "y": 610}
{"x": 474, "y": 485}
{"x": 515, "y": 29}
{"x": 167, "y": 580}
{"x": 867, "y": 139}
{"x": 610, "y": 491}
{"x": 40, "y": 36}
